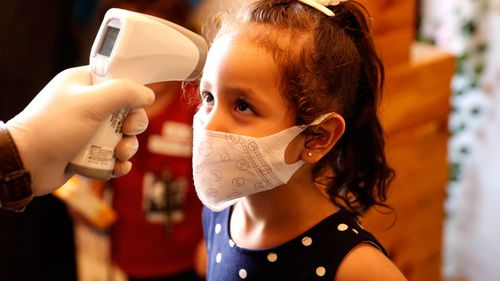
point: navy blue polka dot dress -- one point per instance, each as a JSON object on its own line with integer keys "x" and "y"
{"x": 314, "y": 255}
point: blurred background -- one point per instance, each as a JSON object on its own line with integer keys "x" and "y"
{"x": 443, "y": 84}
{"x": 469, "y": 30}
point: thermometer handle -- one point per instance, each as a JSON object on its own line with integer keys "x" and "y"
{"x": 97, "y": 158}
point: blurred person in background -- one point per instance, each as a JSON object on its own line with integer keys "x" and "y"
{"x": 158, "y": 227}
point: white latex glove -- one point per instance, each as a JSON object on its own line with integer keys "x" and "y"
{"x": 64, "y": 116}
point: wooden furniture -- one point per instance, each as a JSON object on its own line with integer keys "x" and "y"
{"x": 414, "y": 113}
{"x": 393, "y": 22}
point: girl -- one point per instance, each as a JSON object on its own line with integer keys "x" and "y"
{"x": 288, "y": 149}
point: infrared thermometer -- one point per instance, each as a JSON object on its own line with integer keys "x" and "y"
{"x": 145, "y": 49}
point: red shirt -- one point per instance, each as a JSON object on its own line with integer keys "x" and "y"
{"x": 159, "y": 214}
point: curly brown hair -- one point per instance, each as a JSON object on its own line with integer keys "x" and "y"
{"x": 327, "y": 64}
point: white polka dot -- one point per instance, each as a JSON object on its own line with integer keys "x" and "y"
{"x": 320, "y": 271}
{"x": 272, "y": 257}
{"x": 218, "y": 227}
{"x": 231, "y": 243}
{"x": 307, "y": 241}
{"x": 242, "y": 273}
{"x": 355, "y": 231}
{"x": 218, "y": 258}
{"x": 342, "y": 227}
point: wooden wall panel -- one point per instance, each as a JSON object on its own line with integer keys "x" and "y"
{"x": 393, "y": 23}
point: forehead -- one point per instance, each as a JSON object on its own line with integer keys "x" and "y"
{"x": 236, "y": 58}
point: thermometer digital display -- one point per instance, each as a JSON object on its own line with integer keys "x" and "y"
{"x": 109, "y": 40}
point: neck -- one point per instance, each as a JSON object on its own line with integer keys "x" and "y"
{"x": 276, "y": 216}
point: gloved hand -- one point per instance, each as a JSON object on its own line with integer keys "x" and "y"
{"x": 64, "y": 116}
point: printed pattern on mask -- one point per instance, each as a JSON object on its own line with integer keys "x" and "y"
{"x": 313, "y": 255}
{"x": 228, "y": 166}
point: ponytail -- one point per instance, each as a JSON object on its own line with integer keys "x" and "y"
{"x": 361, "y": 173}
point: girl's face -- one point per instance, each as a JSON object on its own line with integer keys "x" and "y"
{"x": 240, "y": 90}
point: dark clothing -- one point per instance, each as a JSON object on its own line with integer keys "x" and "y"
{"x": 314, "y": 255}
{"x": 186, "y": 276}
{"x": 36, "y": 44}
{"x": 37, "y": 244}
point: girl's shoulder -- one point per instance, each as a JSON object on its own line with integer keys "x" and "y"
{"x": 365, "y": 260}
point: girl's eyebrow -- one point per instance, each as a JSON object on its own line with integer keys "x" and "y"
{"x": 245, "y": 93}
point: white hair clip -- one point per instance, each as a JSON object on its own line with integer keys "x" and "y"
{"x": 320, "y": 5}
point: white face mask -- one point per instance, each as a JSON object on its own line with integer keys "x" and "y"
{"x": 227, "y": 167}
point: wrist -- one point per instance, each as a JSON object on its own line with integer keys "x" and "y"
{"x": 15, "y": 181}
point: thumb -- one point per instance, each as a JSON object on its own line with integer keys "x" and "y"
{"x": 117, "y": 94}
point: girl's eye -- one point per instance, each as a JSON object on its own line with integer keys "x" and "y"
{"x": 207, "y": 98}
{"x": 243, "y": 107}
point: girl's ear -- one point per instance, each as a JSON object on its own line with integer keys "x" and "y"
{"x": 322, "y": 138}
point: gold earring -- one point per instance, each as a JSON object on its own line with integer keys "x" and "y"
{"x": 309, "y": 154}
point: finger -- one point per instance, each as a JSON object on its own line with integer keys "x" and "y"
{"x": 121, "y": 168}
{"x": 135, "y": 123}
{"x": 117, "y": 94}
{"x": 79, "y": 73}
{"x": 126, "y": 148}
